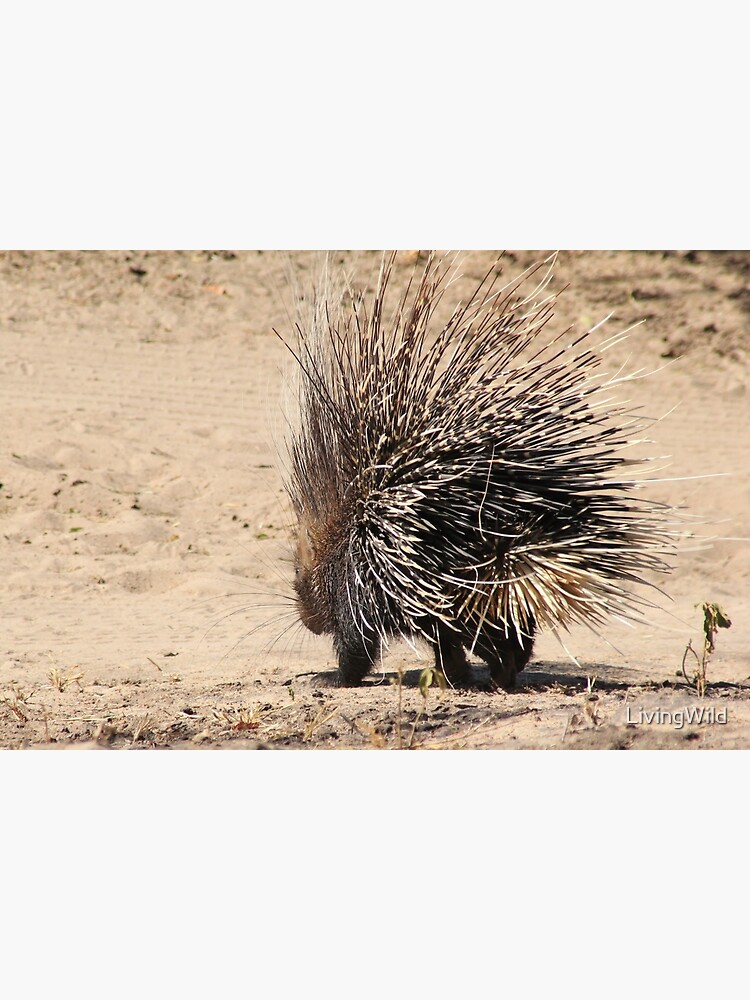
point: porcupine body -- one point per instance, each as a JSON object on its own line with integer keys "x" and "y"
{"x": 460, "y": 483}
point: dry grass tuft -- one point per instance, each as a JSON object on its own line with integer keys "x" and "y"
{"x": 18, "y": 702}
{"x": 61, "y": 681}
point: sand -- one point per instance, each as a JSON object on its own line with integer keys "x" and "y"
{"x": 145, "y": 586}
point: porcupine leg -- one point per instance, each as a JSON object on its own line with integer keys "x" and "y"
{"x": 357, "y": 653}
{"x": 450, "y": 658}
{"x": 506, "y": 654}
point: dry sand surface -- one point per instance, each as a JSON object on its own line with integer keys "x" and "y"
{"x": 145, "y": 583}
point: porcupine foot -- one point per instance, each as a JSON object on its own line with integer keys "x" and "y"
{"x": 450, "y": 659}
{"x": 356, "y": 653}
{"x": 505, "y": 655}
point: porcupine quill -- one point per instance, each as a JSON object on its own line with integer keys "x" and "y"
{"x": 460, "y": 482}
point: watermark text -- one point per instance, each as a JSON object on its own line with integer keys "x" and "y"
{"x": 693, "y": 715}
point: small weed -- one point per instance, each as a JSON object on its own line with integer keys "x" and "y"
{"x": 399, "y": 682}
{"x": 589, "y": 718}
{"x": 240, "y": 719}
{"x": 143, "y": 726}
{"x": 428, "y": 677}
{"x": 18, "y": 702}
{"x": 324, "y": 714}
{"x": 61, "y": 681}
{"x": 590, "y": 703}
{"x": 713, "y": 619}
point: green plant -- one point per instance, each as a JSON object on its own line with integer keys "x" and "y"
{"x": 713, "y": 619}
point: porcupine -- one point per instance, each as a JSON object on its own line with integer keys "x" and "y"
{"x": 459, "y": 482}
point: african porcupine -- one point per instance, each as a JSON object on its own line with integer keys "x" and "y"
{"x": 459, "y": 482}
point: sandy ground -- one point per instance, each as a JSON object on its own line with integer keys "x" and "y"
{"x": 145, "y": 585}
